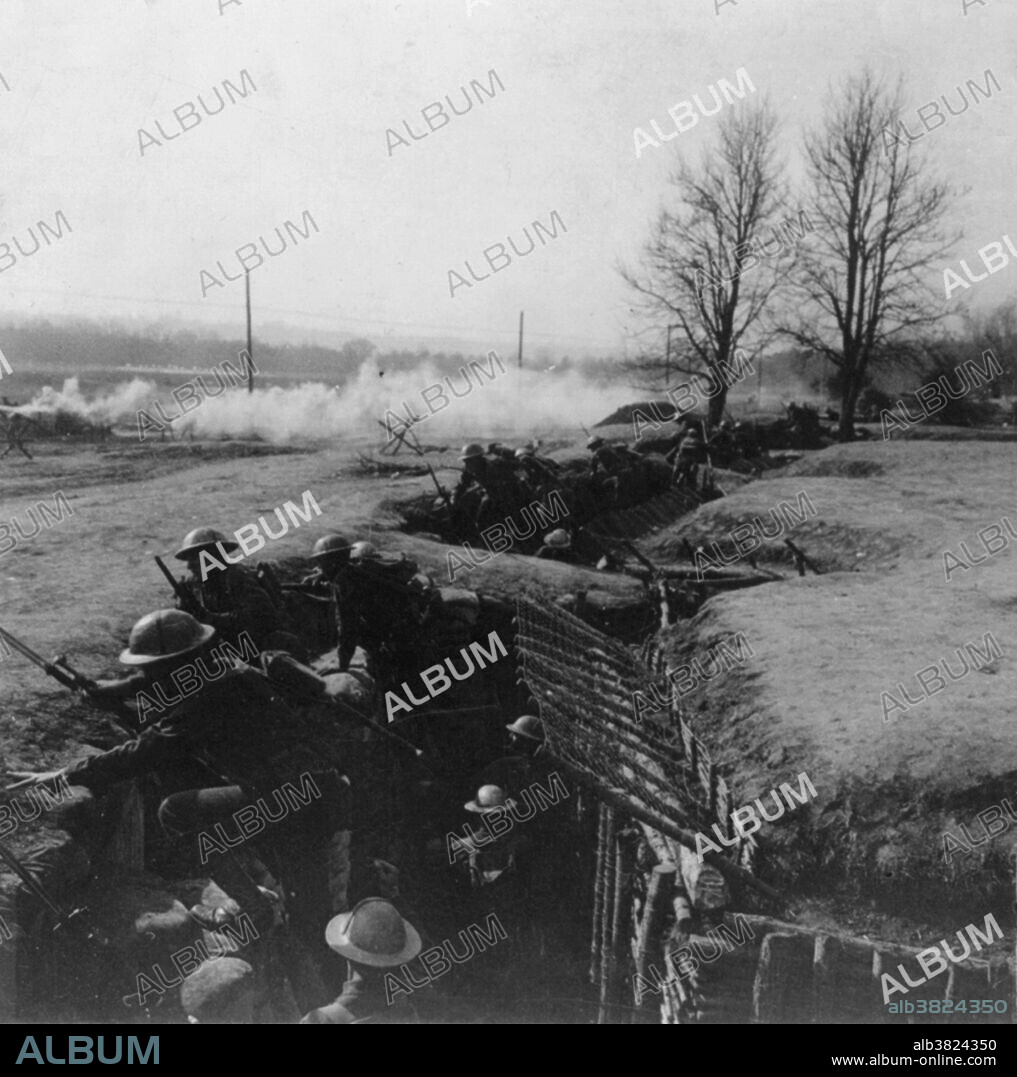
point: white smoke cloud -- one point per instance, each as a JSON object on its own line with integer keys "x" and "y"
{"x": 515, "y": 403}
{"x": 121, "y": 404}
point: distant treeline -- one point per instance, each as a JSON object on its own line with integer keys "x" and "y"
{"x": 72, "y": 346}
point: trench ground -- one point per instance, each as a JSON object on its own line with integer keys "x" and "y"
{"x": 867, "y": 856}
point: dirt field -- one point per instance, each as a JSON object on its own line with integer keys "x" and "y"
{"x": 809, "y": 700}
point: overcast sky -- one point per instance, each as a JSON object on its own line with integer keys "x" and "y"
{"x": 332, "y": 75}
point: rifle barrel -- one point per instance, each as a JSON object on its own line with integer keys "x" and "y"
{"x": 33, "y": 884}
{"x": 178, "y": 588}
{"x": 66, "y": 678}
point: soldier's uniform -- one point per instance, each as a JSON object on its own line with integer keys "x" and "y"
{"x": 691, "y": 453}
{"x": 364, "y": 1000}
{"x": 488, "y": 491}
{"x": 616, "y": 469}
{"x": 540, "y": 475}
{"x": 381, "y": 606}
{"x": 231, "y": 599}
{"x": 320, "y": 590}
{"x": 235, "y": 602}
{"x": 230, "y": 745}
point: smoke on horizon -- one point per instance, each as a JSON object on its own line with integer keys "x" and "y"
{"x": 515, "y": 402}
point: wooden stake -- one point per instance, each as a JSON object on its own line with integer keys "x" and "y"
{"x": 250, "y": 354}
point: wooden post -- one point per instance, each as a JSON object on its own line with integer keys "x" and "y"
{"x": 607, "y": 911}
{"x": 624, "y": 803}
{"x": 250, "y": 354}
{"x": 667, "y": 358}
{"x": 621, "y": 924}
{"x": 659, "y": 891}
{"x": 598, "y": 896}
{"x": 521, "y": 340}
{"x": 783, "y": 991}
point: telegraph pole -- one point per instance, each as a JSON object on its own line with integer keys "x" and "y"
{"x": 667, "y": 358}
{"x": 521, "y": 340}
{"x": 667, "y": 354}
{"x": 250, "y": 356}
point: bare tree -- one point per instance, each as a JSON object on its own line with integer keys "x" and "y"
{"x": 996, "y": 329}
{"x": 859, "y": 288}
{"x": 722, "y": 207}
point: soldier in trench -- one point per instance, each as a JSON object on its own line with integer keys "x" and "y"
{"x": 690, "y": 454}
{"x": 374, "y": 939}
{"x": 618, "y": 472}
{"x": 231, "y": 599}
{"x": 488, "y": 490}
{"x": 222, "y": 753}
{"x": 381, "y": 606}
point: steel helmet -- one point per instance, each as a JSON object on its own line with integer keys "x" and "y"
{"x": 528, "y": 726}
{"x": 330, "y": 544}
{"x": 526, "y": 450}
{"x": 164, "y": 634}
{"x": 472, "y": 450}
{"x": 364, "y": 551}
{"x": 557, "y": 539}
{"x": 595, "y": 443}
{"x": 487, "y": 799}
{"x": 373, "y": 933}
{"x": 202, "y": 538}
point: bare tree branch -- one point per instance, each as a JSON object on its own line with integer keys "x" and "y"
{"x": 859, "y": 290}
{"x": 693, "y": 272}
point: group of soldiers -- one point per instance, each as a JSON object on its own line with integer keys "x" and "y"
{"x": 499, "y": 485}
{"x": 236, "y": 737}
{"x": 497, "y": 482}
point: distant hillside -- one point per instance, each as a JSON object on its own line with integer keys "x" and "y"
{"x": 79, "y": 347}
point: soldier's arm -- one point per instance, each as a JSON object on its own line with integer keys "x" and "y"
{"x": 257, "y": 610}
{"x": 347, "y": 618}
{"x": 347, "y": 622}
{"x": 112, "y": 693}
{"x": 226, "y": 624}
{"x": 158, "y": 744}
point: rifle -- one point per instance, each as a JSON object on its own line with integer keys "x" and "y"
{"x": 61, "y": 670}
{"x": 184, "y": 597}
{"x": 380, "y": 729}
{"x": 801, "y": 557}
{"x": 443, "y": 493}
{"x": 58, "y": 669}
{"x": 64, "y": 919}
{"x": 305, "y": 685}
{"x": 644, "y": 561}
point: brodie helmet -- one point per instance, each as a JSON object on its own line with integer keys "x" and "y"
{"x": 203, "y": 538}
{"x": 373, "y": 933}
{"x": 364, "y": 551}
{"x": 328, "y": 545}
{"x": 164, "y": 634}
{"x": 529, "y": 726}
